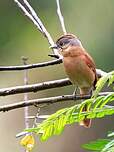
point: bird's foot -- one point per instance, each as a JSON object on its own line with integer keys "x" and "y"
{"x": 75, "y": 92}
{"x": 91, "y": 93}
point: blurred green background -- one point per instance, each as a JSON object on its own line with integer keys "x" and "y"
{"x": 93, "y": 23}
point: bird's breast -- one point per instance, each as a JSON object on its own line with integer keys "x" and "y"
{"x": 78, "y": 72}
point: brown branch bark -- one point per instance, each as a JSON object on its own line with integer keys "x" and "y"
{"x": 40, "y": 86}
{"x": 50, "y": 100}
{"x": 34, "y": 87}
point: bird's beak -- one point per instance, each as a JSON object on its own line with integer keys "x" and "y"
{"x": 53, "y": 46}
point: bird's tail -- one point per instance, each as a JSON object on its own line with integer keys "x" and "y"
{"x": 86, "y": 122}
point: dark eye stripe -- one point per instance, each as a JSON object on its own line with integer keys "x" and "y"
{"x": 61, "y": 43}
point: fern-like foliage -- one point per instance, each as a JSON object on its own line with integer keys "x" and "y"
{"x": 101, "y": 145}
{"x": 96, "y": 108}
{"x": 109, "y": 77}
{"x": 55, "y": 124}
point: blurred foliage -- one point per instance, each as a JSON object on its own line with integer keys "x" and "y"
{"x": 92, "y": 21}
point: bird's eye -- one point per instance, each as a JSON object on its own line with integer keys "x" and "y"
{"x": 61, "y": 43}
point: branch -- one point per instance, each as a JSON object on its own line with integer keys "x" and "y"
{"x": 31, "y": 14}
{"x": 34, "y": 87}
{"x": 100, "y": 72}
{"x": 26, "y": 11}
{"x": 43, "y": 101}
{"x": 41, "y": 86}
{"x": 60, "y": 17}
{"x": 26, "y": 109}
{"x": 30, "y": 66}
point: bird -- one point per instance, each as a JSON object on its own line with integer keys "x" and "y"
{"x": 79, "y": 66}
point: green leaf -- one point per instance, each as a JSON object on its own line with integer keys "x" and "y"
{"x": 60, "y": 125}
{"x": 97, "y": 102}
{"x": 97, "y": 145}
{"x": 47, "y": 133}
{"x": 108, "y": 98}
{"x": 100, "y": 115}
{"x": 111, "y": 79}
{"x": 102, "y": 81}
{"x": 91, "y": 115}
{"x": 108, "y": 146}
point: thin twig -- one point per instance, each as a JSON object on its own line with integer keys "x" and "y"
{"x": 43, "y": 101}
{"x": 28, "y": 14}
{"x": 39, "y": 117}
{"x": 31, "y": 14}
{"x": 61, "y": 17}
{"x": 30, "y": 66}
{"x": 26, "y": 109}
{"x": 34, "y": 15}
{"x": 36, "y": 118}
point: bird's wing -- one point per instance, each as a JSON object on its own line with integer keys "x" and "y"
{"x": 89, "y": 61}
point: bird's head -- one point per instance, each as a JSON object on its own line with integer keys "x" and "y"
{"x": 65, "y": 41}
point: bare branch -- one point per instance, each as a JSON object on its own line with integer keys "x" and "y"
{"x": 40, "y": 86}
{"x": 31, "y": 14}
{"x": 100, "y": 73}
{"x": 30, "y": 66}
{"x": 28, "y": 14}
{"x": 39, "y": 117}
{"x": 34, "y": 87}
{"x": 60, "y": 17}
{"x": 26, "y": 109}
{"x": 43, "y": 101}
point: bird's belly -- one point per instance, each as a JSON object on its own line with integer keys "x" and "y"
{"x": 79, "y": 73}
{"x": 79, "y": 79}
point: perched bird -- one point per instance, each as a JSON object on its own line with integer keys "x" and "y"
{"x": 78, "y": 65}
